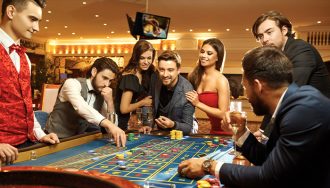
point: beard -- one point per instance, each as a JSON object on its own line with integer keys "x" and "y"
{"x": 96, "y": 89}
{"x": 259, "y": 107}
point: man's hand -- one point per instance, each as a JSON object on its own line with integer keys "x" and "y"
{"x": 164, "y": 122}
{"x": 8, "y": 153}
{"x": 50, "y": 138}
{"x": 192, "y": 96}
{"x": 118, "y": 135}
{"x": 260, "y": 136}
{"x": 145, "y": 130}
{"x": 192, "y": 168}
{"x": 107, "y": 94}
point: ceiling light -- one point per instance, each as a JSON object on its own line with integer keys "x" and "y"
{"x": 247, "y": 29}
{"x": 47, "y": 20}
{"x": 73, "y": 33}
{"x": 209, "y": 30}
{"x": 58, "y": 34}
{"x": 112, "y": 32}
{"x": 173, "y": 30}
{"x": 227, "y": 29}
{"x": 84, "y": 3}
{"x": 319, "y": 22}
{"x": 190, "y": 30}
{"x": 108, "y": 37}
{"x": 96, "y": 15}
{"x": 128, "y": 31}
{"x": 65, "y": 26}
{"x": 49, "y": 12}
{"x": 105, "y": 24}
{"x": 46, "y": 27}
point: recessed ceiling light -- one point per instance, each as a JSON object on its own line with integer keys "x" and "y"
{"x": 209, "y": 30}
{"x": 84, "y": 3}
{"x": 96, "y": 15}
{"x": 49, "y": 12}
{"x": 319, "y": 22}
{"x": 73, "y": 33}
{"x": 46, "y": 27}
{"x": 108, "y": 37}
{"x": 128, "y": 31}
{"x": 247, "y": 29}
{"x": 58, "y": 34}
{"x": 105, "y": 24}
{"x": 65, "y": 26}
{"x": 227, "y": 29}
{"x": 112, "y": 32}
{"x": 190, "y": 30}
{"x": 173, "y": 30}
{"x": 47, "y": 20}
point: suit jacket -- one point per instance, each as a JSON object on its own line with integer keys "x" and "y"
{"x": 308, "y": 66}
{"x": 180, "y": 111}
{"x": 297, "y": 153}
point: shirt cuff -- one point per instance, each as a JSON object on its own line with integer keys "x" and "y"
{"x": 39, "y": 133}
{"x": 217, "y": 169}
{"x": 242, "y": 139}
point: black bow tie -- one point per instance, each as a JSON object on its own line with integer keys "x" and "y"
{"x": 17, "y": 48}
{"x": 93, "y": 92}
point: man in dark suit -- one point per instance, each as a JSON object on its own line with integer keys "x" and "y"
{"x": 273, "y": 29}
{"x": 168, "y": 88}
{"x": 297, "y": 152}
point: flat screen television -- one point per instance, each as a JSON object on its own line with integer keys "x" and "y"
{"x": 150, "y": 26}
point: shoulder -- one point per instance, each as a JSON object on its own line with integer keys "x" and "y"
{"x": 185, "y": 84}
{"x": 221, "y": 79}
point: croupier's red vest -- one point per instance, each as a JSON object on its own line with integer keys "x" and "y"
{"x": 16, "y": 113}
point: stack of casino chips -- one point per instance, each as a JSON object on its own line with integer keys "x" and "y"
{"x": 130, "y": 136}
{"x": 175, "y": 134}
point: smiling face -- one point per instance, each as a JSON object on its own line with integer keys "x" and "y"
{"x": 145, "y": 60}
{"x": 24, "y": 22}
{"x": 208, "y": 56}
{"x": 168, "y": 72}
{"x": 270, "y": 34}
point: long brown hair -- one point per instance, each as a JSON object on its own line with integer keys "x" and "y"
{"x": 139, "y": 48}
{"x": 196, "y": 76}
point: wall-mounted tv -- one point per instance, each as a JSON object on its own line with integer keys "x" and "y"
{"x": 150, "y": 26}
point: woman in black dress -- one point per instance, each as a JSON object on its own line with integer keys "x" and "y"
{"x": 132, "y": 90}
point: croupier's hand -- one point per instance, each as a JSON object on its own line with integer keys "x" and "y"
{"x": 8, "y": 153}
{"x": 50, "y": 138}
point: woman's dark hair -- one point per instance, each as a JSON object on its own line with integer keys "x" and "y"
{"x": 196, "y": 76}
{"x": 139, "y": 48}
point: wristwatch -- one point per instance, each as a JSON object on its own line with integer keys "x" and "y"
{"x": 207, "y": 164}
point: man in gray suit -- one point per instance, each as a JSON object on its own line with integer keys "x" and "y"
{"x": 168, "y": 88}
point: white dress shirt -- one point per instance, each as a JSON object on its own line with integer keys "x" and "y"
{"x": 71, "y": 92}
{"x": 6, "y": 41}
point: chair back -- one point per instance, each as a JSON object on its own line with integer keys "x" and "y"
{"x": 48, "y": 97}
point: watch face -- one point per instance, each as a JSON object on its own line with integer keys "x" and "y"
{"x": 207, "y": 165}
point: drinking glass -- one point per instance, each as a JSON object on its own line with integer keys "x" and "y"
{"x": 111, "y": 116}
{"x": 237, "y": 120}
{"x": 150, "y": 116}
{"x": 139, "y": 119}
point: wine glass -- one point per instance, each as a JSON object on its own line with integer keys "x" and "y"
{"x": 237, "y": 120}
{"x": 150, "y": 116}
{"x": 139, "y": 119}
{"x": 111, "y": 116}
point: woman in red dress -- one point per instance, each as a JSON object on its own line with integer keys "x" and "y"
{"x": 212, "y": 93}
